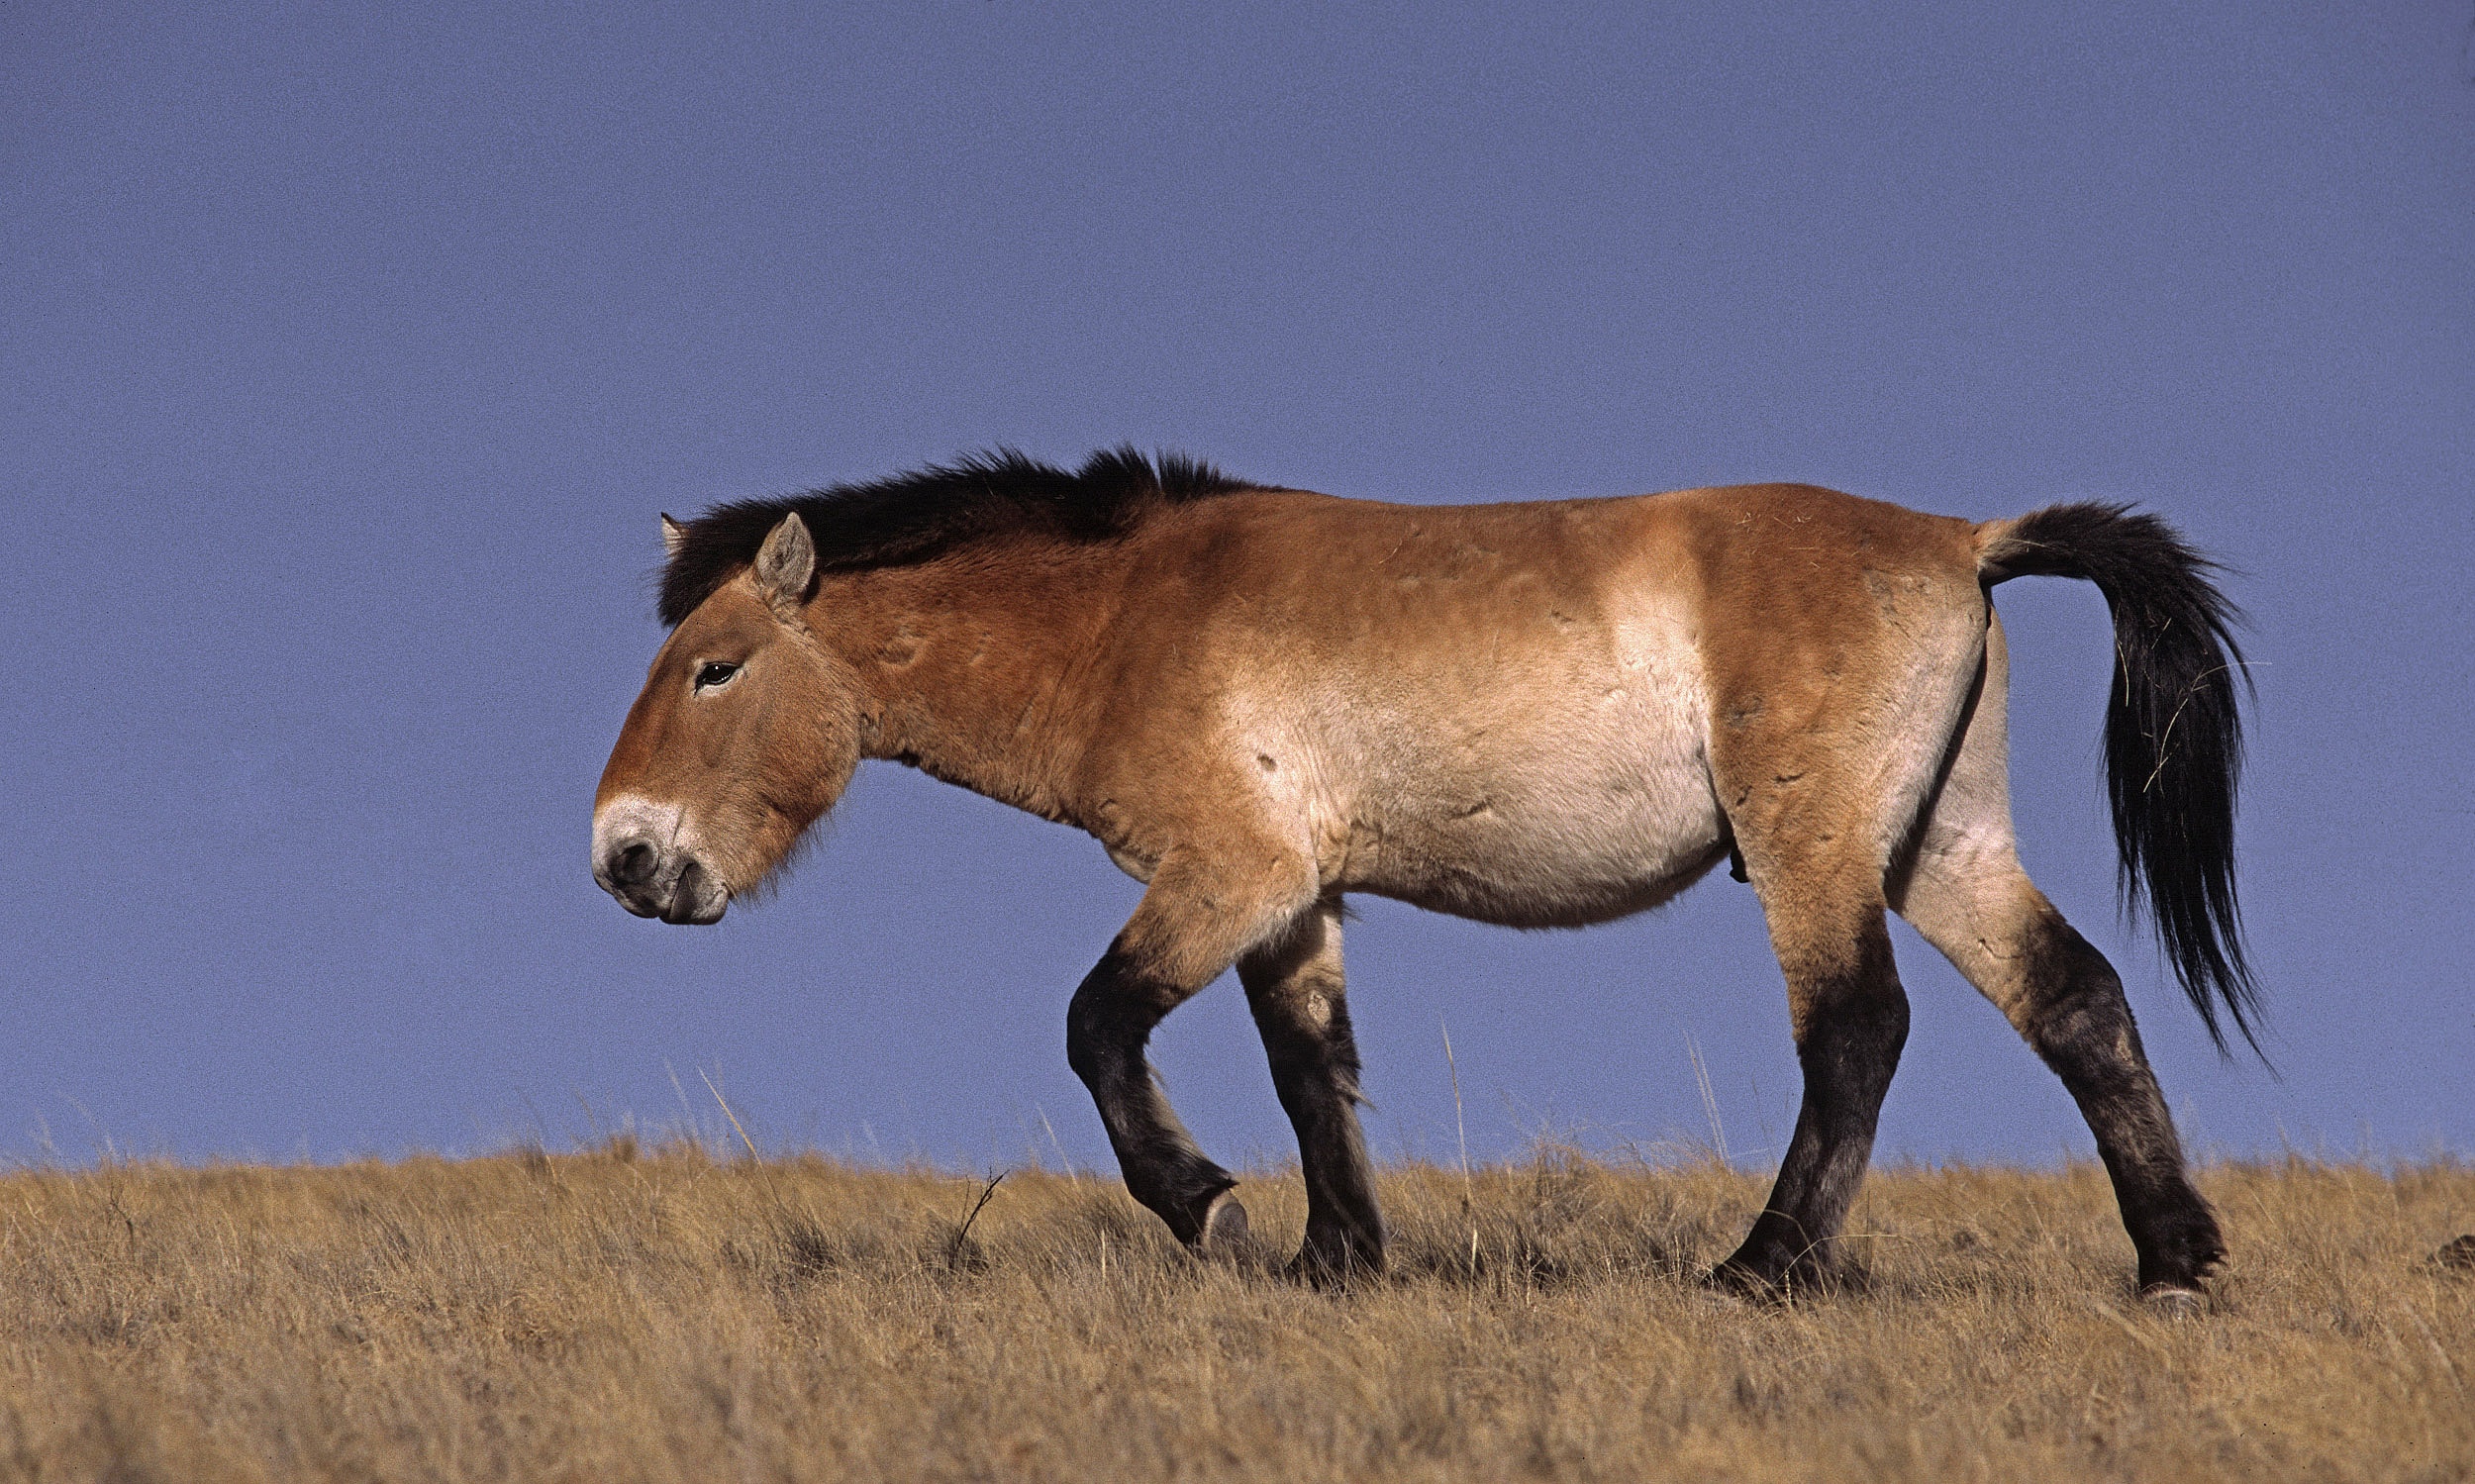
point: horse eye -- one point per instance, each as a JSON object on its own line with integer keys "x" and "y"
{"x": 715, "y": 672}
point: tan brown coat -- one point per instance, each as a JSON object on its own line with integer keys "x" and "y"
{"x": 1547, "y": 714}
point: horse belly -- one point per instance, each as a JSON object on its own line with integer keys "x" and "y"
{"x": 1577, "y": 793}
{"x": 1538, "y": 866}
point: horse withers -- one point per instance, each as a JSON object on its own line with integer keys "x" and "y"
{"x": 1549, "y": 713}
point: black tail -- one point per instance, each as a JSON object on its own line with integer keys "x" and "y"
{"x": 2174, "y": 736}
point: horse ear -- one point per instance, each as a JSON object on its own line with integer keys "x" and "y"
{"x": 785, "y": 565}
{"x": 673, "y": 535}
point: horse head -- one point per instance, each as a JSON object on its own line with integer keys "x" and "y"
{"x": 747, "y": 732}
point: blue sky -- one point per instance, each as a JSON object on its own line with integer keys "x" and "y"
{"x": 349, "y": 352}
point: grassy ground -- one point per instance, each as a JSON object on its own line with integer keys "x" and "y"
{"x": 619, "y": 1315}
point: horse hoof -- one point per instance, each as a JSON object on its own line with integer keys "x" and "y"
{"x": 2173, "y": 1301}
{"x": 1224, "y": 1232}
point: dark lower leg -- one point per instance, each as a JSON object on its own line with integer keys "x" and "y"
{"x": 2079, "y": 1022}
{"x": 1297, "y": 998}
{"x": 1849, "y": 1045}
{"x": 1107, "y": 1025}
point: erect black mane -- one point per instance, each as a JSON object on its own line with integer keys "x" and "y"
{"x": 927, "y": 511}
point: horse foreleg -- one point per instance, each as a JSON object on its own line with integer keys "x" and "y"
{"x": 1294, "y": 986}
{"x": 1196, "y": 919}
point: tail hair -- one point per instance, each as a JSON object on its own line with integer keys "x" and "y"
{"x": 2174, "y": 735}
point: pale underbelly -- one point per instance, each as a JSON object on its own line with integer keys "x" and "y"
{"x": 1540, "y": 866}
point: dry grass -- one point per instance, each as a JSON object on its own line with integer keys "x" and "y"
{"x": 611, "y": 1316}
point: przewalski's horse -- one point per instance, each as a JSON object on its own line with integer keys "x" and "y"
{"x": 1541, "y": 715}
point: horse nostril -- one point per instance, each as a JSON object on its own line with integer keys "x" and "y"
{"x": 632, "y": 865}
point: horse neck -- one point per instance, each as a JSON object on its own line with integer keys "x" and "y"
{"x": 964, "y": 663}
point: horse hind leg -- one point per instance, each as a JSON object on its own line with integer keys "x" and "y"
{"x": 2066, "y": 1001}
{"x": 1850, "y": 1020}
{"x": 1966, "y": 894}
{"x": 1294, "y": 986}
{"x": 1822, "y": 777}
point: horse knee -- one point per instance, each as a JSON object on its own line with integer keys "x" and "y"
{"x": 1085, "y": 1039}
{"x": 1296, "y": 995}
{"x": 1306, "y": 1037}
{"x": 1109, "y": 1019}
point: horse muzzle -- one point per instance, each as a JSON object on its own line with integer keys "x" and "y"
{"x": 647, "y": 869}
